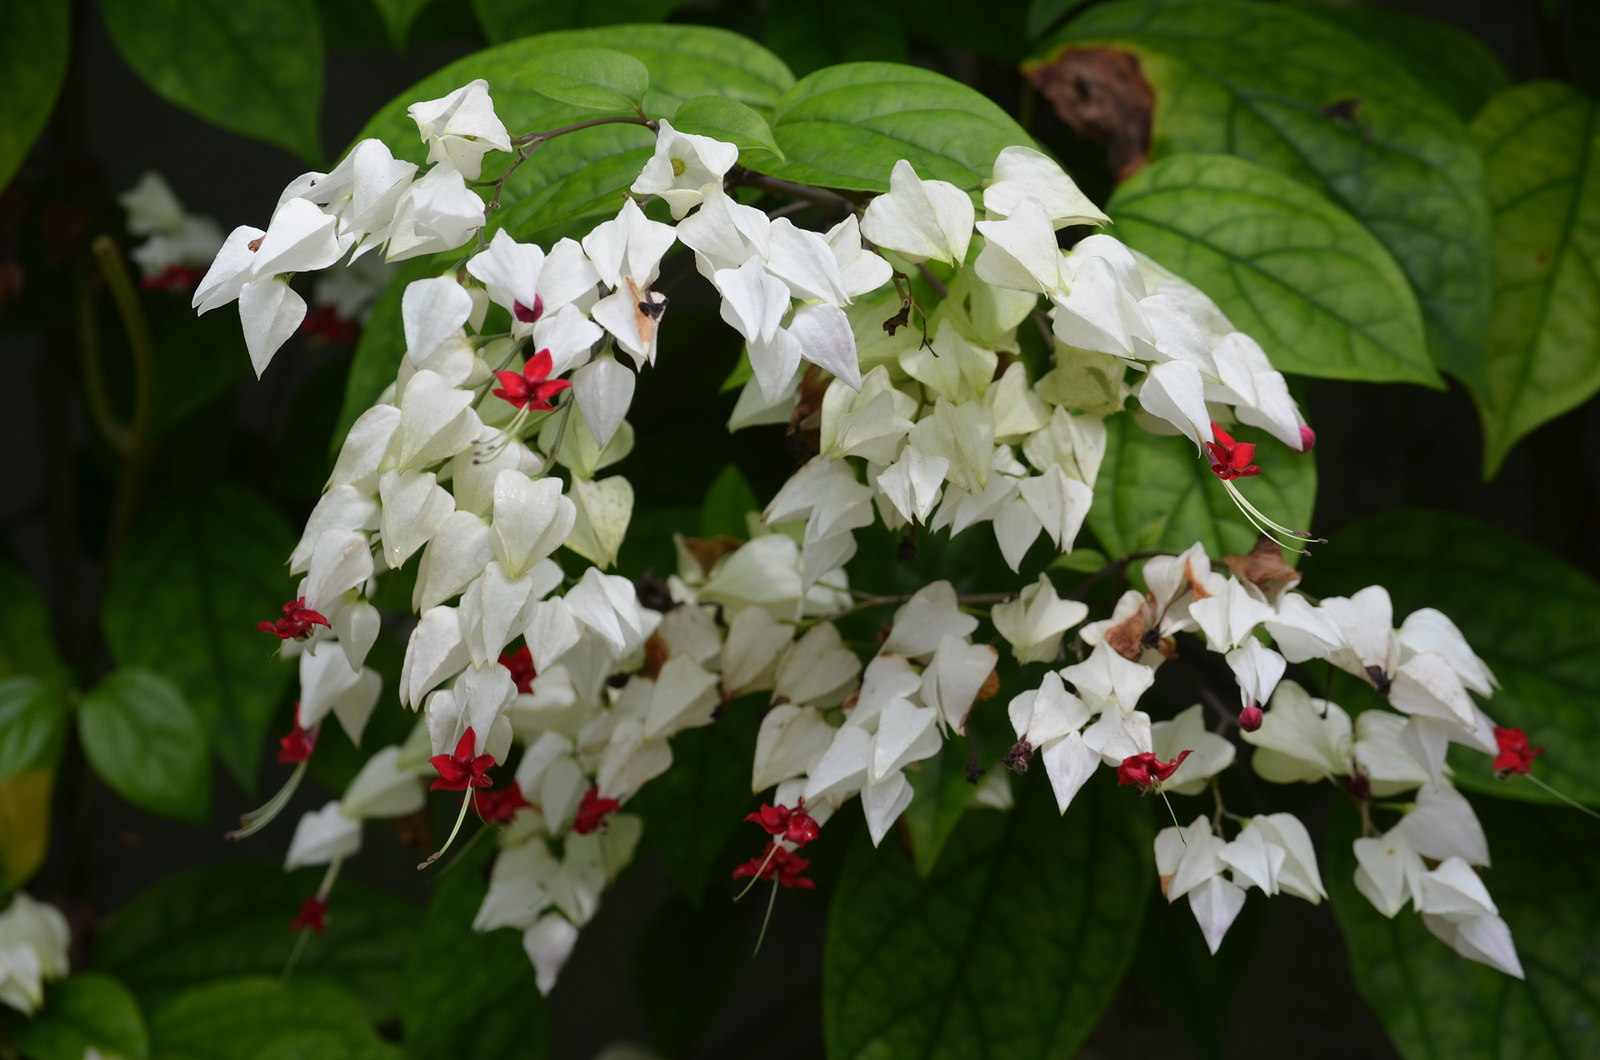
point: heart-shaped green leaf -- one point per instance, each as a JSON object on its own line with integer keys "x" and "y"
{"x": 87, "y": 1010}
{"x": 144, "y": 742}
{"x": 592, "y": 78}
{"x": 31, "y": 717}
{"x": 730, "y": 121}
{"x": 35, "y": 37}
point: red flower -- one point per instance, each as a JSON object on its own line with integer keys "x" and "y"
{"x": 175, "y": 279}
{"x": 1146, "y": 770}
{"x": 593, "y": 811}
{"x": 533, "y": 388}
{"x": 296, "y": 622}
{"x": 520, "y": 663}
{"x": 1516, "y": 755}
{"x": 298, "y": 745}
{"x": 1308, "y": 439}
{"x": 498, "y": 807}
{"x": 460, "y": 771}
{"x": 1231, "y": 459}
{"x": 795, "y": 825}
{"x": 326, "y": 323}
{"x": 313, "y": 914}
{"x": 526, "y": 315}
{"x": 777, "y": 863}
{"x": 1250, "y": 718}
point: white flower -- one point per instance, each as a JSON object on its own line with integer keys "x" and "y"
{"x": 1259, "y": 394}
{"x": 817, "y": 669}
{"x": 1099, "y": 308}
{"x": 921, "y": 623}
{"x": 1034, "y": 622}
{"x": 531, "y": 519}
{"x": 383, "y": 789}
{"x": 1229, "y": 614}
{"x": 1022, "y": 174}
{"x": 1105, "y": 677}
{"x": 1175, "y": 392}
{"x": 548, "y": 944}
{"x": 1258, "y": 670}
{"x": 920, "y": 219}
{"x": 415, "y": 506}
{"x": 789, "y": 744}
{"x": 750, "y": 653}
{"x": 764, "y": 572}
{"x": 151, "y": 206}
{"x": 912, "y": 483}
{"x": 1020, "y": 252}
{"x": 34, "y": 937}
{"x": 1428, "y": 630}
{"x": 1443, "y": 826}
{"x": 322, "y": 836}
{"x": 437, "y": 213}
{"x": 861, "y": 270}
{"x": 1457, "y": 908}
{"x": 1209, "y": 754}
{"x": 435, "y": 652}
{"x": 682, "y": 167}
{"x": 461, "y": 128}
{"x": 1300, "y": 738}
{"x": 329, "y": 684}
{"x": 1298, "y": 874}
{"x": 1389, "y": 872}
{"x": 955, "y": 675}
{"x": 608, "y": 605}
{"x": 685, "y": 697}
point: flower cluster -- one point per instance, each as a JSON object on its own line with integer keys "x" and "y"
{"x": 33, "y": 948}
{"x": 479, "y": 463}
{"x": 177, "y": 245}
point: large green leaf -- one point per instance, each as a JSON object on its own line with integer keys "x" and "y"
{"x": 693, "y": 809}
{"x": 504, "y": 20}
{"x": 251, "y": 66}
{"x": 230, "y": 920}
{"x": 1156, "y": 492}
{"x": 1277, "y": 86}
{"x": 1197, "y": 986}
{"x": 88, "y": 1010}
{"x": 942, "y": 797}
{"x": 1541, "y": 151}
{"x": 1012, "y": 948}
{"x": 1439, "y": 1006}
{"x": 35, "y": 36}
{"x": 1532, "y": 617}
{"x": 730, "y": 121}
{"x": 846, "y": 126}
{"x": 185, "y": 595}
{"x": 1456, "y": 66}
{"x": 31, "y": 717}
{"x": 145, "y": 742}
{"x": 256, "y": 1017}
{"x": 198, "y": 359}
{"x": 811, "y": 34}
{"x": 591, "y": 78}
{"x": 1291, "y": 269}
{"x": 469, "y": 996}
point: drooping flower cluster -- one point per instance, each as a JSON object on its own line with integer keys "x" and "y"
{"x": 178, "y": 245}
{"x": 930, "y": 421}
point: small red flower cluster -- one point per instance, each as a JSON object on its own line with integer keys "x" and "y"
{"x": 520, "y": 663}
{"x": 1231, "y": 459}
{"x": 498, "y": 807}
{"x": 776, "y": 862}
{"x": 313, "y": 914}
{"x": 296, "y": 622}
{"x": 1250, "y": 718}
{"x": 326, "y": 323}
{"x": 462, "y": 770}
{"x": 297, "y": 746}
{"x": 1146, "y": 770}
{"x": 593, "y": 811}
{"x": 532, "y": 388}
{"x": 1516, "y": 753}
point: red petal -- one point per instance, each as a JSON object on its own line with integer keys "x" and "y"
{"x": 538, "y": 367}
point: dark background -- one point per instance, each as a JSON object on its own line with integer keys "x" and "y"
{"x": 1380, "y": 447}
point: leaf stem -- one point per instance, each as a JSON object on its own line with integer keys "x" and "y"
{"x": 531, "y": 142}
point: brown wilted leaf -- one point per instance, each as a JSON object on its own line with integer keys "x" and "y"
{"x": 707, "y": 550}
{"x": 1127, "y": 636}
{"x": 990, "y": 687}
{"x": 1102, "y": 96}
{"x": 1263, "y": 566}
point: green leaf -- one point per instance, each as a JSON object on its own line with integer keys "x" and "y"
{"x": 256, "y": 1016}
{"x": 811, "y": 34}
{"x": 25, "y": 644}
{"x": 32, "y": 714}
{"x": 469, "y": 996}
{"x": 693, "y": 809}
{"x": 398, "y": 16}
{"x": 1012, "y": 948}
{"x": 591, "y": 78}
{"x": 1279, "y": 87}
{"x": 683, "y": 967}
{"x": 87, "y": 1010}
{"x": 727, "y": 502}
{"x": 1456, "y": 66}
{"x": 846, "y": 126}
{"x": 144, "y": 742}
{"x": 1157, "y": 493}
{"x": 1440, "y": 1006}
{"x": 505, "y": 20}
{"x": 1532, "y": 617}
{"x": 251, "y": 66}
{"x": 585, "y": 175}
{"x": 1291, "y": 269}
{"x": 730, "y": 121}
{"x": 1082, "y": 560}
{"x": 35, "y": 37}
{"x": 1196, "y": 986}
{"x": 231, "y": 920}
{"x": 376, "y": 361}
{"x": 942, "y": 797}
{"x": 198, "y": 359}
{"x": 186, "y": 592}
{"x": 1541, "y": 150}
